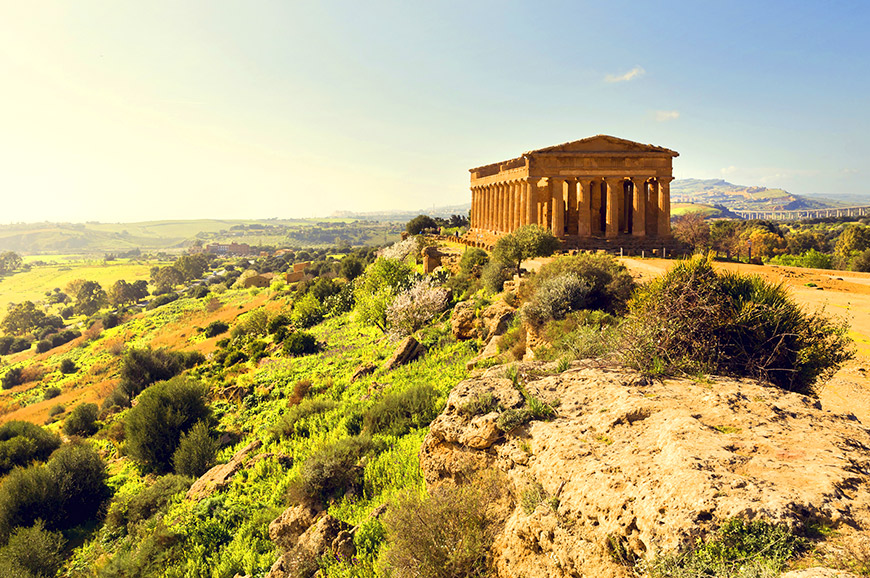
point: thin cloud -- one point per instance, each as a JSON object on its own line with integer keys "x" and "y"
{"x": 728, "y": 170}
{"x": 666, "y": 115}
{"x": 635, "y": 72}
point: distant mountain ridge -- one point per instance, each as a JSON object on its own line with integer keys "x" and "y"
{"x": 405, "y": 215}
{"x": 744, "y": 198}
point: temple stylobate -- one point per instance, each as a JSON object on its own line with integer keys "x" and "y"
{"x": 599, "y": 187}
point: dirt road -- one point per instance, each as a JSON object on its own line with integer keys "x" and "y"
{"x": 839, "y": 293}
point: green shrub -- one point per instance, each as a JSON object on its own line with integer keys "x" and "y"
{"x": 199, "y": 292}
{"x": 583, "y": 334}
{"x": 695, "y": 320}
{"x": 334, "y": 469}
{"x": 420, "y": 223}
{"x": 413, "y": 308}
{"x": 144, "y": 504}
{"x": 196, "y": 451}
{"x": 161, "y": 300}
{"x": 22, "y": 443}
{"x": 493, "y": 276}
{"x": 307, "y": 311}
{"x": 43, "y": 345}
{"x": 738, "y": 548}
{"x": 294, "y": 421}
{"x": 51, "y": 392}
{"x": 79, "y": 477}
{"x": 253, "y": 323}
{"x": 166, "y": 410}
{"x": 56, "y": 410}
{"x": 277, "y": 322}
{"x": 5, "y": 344}
{"x": 398, "y": 413}
{"x": 473, "y": 261}
{"x": 556, "y": 297}
{"x": 481, "y": 405}
{"x": 610, "y": 284}
{"x": 142, "y": 367}
{"x": 32, "y": 552}
{"x": 64, "y": 493}
{"x": 234, "y": 357}
{"x": 81, "y": 421}
{"x": 215, "y": 328}
{"x": 444, "y": 535}
{"x": 67, "y": 366}
{"x": 13, "y": 377}
{"x": 300, "y": 343}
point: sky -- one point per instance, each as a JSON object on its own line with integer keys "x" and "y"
{"x": 123, "y": 110}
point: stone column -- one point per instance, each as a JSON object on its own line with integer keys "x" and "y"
{"x": 518, "y": 204}
{"x": 498, "y": 207}
{"x": 484, "y": 217}
{"x": 665, "y": 206}
{"x": 530, "y": 200}
{"x": 584, "y": 208}
{"x": 557, "y": 201}
{"x": 503, "y": 207}
{"x": 614, "y": 191}
{"x": 512, "y": 206}
{"x": 475, "y": 202}
{"x": 638, "y": 221}
{"x": 570, "y": 195}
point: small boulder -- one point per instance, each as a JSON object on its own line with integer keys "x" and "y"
{"x": 316, "y": 542}
{"x": 363, "y": 370}
{"x": 496, "y": 318}
{"x": 463, "y": 322}
{"x": 407, "y": 351}
{"x": 219, "y": 477}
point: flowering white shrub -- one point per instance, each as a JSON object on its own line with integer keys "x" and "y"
{"x": 401, "y": 250}
{"x": 412, "y": 309}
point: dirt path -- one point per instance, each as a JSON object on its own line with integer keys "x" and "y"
{"x": 840, "y": 293}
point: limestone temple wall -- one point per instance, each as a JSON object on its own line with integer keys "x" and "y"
{"x": 601, "y": 187}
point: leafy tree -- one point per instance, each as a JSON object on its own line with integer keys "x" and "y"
{"x": 473, "y": 260}
{"x": 23, "y": 318}
{"x": 164, "y": 279}
{"x": 420, "y": 223}
{"x": 191, "y": 266}
{"x": 90, "y": 298}
{"x": 165, "y": 411}
{"x": 78, "y": 475}
{"x": 9, "y": 261}
{"x": 527, "y": 242}
{"x": 13, "y": 377}
{"x": 122, "y": 292}
{"x": 375, "y": 289}
{"x": 853, "y": 238}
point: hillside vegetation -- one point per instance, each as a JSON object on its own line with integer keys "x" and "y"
{"x": 314, "y": 399}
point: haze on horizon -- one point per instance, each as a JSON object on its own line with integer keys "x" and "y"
{"x": 116, "y": 110}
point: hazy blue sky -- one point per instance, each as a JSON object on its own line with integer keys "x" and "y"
{"x": 131, "y": 110}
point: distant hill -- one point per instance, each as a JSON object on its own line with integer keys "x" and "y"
{"x": 94, "y": 238}
{"x": 403, "y": 216}
{"x": 744, "y": 198}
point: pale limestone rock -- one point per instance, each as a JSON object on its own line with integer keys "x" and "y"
{"x": 284, "y": 531}
{"x": 653, "y": 465}
{"x": 463, "y": 322}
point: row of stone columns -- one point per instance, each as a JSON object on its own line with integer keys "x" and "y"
{"x": 503, "y": 207}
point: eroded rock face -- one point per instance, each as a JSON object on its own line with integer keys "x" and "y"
{"x": 650, "y": 465}
{"x": 325, "y": 536}
{"x": 463, "y": 322}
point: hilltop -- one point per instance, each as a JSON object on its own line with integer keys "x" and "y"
{"x": 741, "y": 197}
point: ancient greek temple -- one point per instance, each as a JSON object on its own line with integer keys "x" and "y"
{"x": 599, "y": 187}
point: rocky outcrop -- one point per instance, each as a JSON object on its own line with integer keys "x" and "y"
{"x": 407, "y": 351}
{"x": 363, "y": 370}
{"x": 647, "y": 465}
{"x": 495, "y": 319}
{"x": 219, "y": 477}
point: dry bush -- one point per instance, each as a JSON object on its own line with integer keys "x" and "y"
{"x": 448, "y": 533}
{"x": 93, "y": 332}
{"x": 299, "y": 391}
{"x": 32, "y": 373}
{"x": 114, "y": 346}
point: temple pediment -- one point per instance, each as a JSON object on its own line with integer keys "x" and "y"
{"x": 604, "y": 144}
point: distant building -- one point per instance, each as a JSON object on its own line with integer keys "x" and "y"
{"x": 228, "y": 249}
